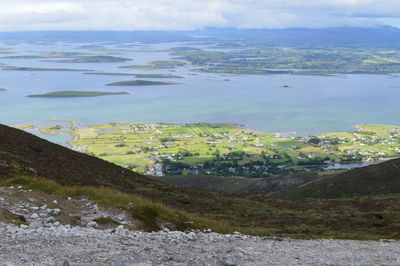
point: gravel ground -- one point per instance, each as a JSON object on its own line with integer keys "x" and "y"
{"x": 65, "y": 245}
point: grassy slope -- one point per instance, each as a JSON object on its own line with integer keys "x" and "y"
{"x": 208, "y": 182}
{"x": 23, "y": 156}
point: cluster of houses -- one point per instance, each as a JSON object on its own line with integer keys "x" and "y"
{"x": 360, "y": 144}
{"x": 264, "y": 164}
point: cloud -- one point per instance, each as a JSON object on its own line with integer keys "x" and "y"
{"x": 192, "y": 14}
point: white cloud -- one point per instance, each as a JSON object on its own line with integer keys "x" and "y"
{"x": 191, "y": 14}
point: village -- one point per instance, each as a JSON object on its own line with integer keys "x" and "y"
{"x": 225, "y": 149}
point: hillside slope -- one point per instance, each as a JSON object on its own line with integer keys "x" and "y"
{"x": 382, "y": 178}
{"x": 26, "y": 154}
{"x": 35, "y": 163}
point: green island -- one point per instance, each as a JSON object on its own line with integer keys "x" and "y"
{"x": 277, "y": 60}
{"x": 66, "y": 94}
{"x": 140, "y": 83}
{"x": 57, "y": 54}
{"x": 3, "y": 89}
{"x": 4, "y": 51}
{"x": 44, "y": 55}
{"x": 154, "y": 76}
{"x": 159, "y": 65}
{"x": 22, "y": 57}
{"x": 43, "y": 69}
{"x": 94, "y": 59}
{"x": 226, "y": 149}
{"x": 158, "y": 76}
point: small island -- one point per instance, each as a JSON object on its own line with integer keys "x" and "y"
{"x": 67, "y": 94}
{"x": 150, "y": 76}
{"x": 44, "y": 55}
{"x": 2, "y": 89}
{"x": 22, "y": 57}
{"x": 43, "y": 69}
{"x": 158, "y": 76}
{"x": 162, "y": 64}
{"x": 95, "y": 59}
{"x": 139, "y": 82}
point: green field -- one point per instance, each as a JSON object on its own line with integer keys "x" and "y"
{"x": 224, "y": 149}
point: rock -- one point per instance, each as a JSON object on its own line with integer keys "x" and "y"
{"x": 34, "y": 216}
{"x": 56, "y": 211}
{"x": 233, "y": 260}
{"x": 64, "y": 263}
{"x": 69, "y": 198}
{"x": 95, "y": 208}
{"x": 43, "y": 207}
{"x": 35, "y": 224}
{"x": 50, "y": 219}
{"x": 121, "y": 217}
{"x": 9, "y": 263}
{"x": 23, "y": 226}
{"x": 55, "y": 201}
{"x": 191, "y": 236}
{"x": 56, "y": 224}
{"x": 119, "y": 228}
{"x": 130, "y": 262}
{"x": 92, "y": 224}
{"x": 1, "y": 199}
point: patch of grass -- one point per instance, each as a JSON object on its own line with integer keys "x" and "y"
{"x": 9, "y": 217}
{"x": 147, "y": 212}
{"x": 106, "y": 220}
{"x": 76, "y": 220}
{"x": 365, "y": 217}
{"x": 148, "y": 215}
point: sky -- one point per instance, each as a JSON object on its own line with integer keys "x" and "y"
{"x": 18, "y": 15}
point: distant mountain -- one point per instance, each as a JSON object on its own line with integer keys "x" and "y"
{"x": 374, "y": 37}
{"x": 97, "y": 36}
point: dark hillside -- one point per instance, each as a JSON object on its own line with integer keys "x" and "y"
{"x": 26, "y": 154}
{"x": 382, "y": 178}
